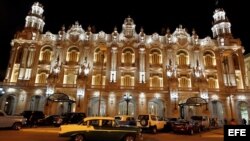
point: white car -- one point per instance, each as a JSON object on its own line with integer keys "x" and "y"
{"x": 15, "y": 122}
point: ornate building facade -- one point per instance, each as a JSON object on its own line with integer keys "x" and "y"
{"x": 175, "y": 75}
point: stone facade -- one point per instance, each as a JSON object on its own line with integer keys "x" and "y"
{"x": 173, "y": 75}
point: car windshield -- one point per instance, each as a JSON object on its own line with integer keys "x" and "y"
{"x": 118, "y": 118}
{"x": 140, "y": 117}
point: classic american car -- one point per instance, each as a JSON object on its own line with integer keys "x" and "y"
{"x": 100, "y": 129}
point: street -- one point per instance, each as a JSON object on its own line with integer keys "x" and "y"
{"x": 51, "y": 134}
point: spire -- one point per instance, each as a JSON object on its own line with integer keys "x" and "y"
{"x": 128, "y": 27}
{"x": 195, "y": 37}
{"x": 34, "y": 19}
{"x": 221, "y": 25}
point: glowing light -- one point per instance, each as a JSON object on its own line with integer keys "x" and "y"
{"x": 157, "y": 96}
{"x": 174, "y": 95}
{"x": 242, "y": 97}
{"x": 215, "y": 97}
{"x": 11, "y": 90}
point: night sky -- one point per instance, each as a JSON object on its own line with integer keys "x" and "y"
{"x": 152, "y": 15}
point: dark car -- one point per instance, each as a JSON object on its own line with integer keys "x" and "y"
{"x": 169, "y": 124}
{"x": 32, "y": 117}
{"x": 187, "y": 127}
{"x": 48, "y": 120}
{"x": 100, "y": 129}
{"x": 69, "y": 118}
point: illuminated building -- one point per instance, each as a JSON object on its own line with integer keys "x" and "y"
{"x": 171, "y": 75}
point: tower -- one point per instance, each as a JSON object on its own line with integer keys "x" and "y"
{"x": 34, "y": 20}
{"x": 221, "y": 25}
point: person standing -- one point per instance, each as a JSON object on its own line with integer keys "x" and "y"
{"x": 233, "y": 122}
{"x": 244, "y": 121}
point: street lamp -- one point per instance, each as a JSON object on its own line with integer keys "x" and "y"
{"x": 103, "y": 48}
{"x": 127, "y": 98}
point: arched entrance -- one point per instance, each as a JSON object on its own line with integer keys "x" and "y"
{"x": 93, "y": 107}
{"x": 156, "y": 107}
{"x": 36, "y": 103}
{"x": 243, "y": 111}
{"x": 123, "y": 107}
{"x": 217, "y": 111}
{"x": 9, "y": 105}
{"x": 192, "y": 106}
{"x": 61, "y": 102}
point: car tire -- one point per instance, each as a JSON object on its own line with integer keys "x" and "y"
{"x": 17, "y": 126}
{"x": 154, "y": 130}
{"x": 79, "y": 138}
{"x": 144, "y": 122}
{"x": 129, "y": 138}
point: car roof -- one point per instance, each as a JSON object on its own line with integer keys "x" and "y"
{"x": 123, "y": 116}
{"x": 95, "y": 118}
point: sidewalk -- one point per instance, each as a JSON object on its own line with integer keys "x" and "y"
{"x": 219, "y": 132}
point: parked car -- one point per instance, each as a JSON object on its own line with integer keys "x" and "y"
{"x": 150, "y": 122}
{"x": 126, "y": 120}
{"x": 69, "y": 118}
{"x": 15, "y": 122}
{"x": 188, "y": 127}
{"x": 169, "y": 124}
{"x": 32, "y": 117}
{"x": 99, "y": 129}
{"x": 48, "y": 120}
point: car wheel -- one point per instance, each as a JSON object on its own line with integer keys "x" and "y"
{"x": 79, "y": 138}
{"x": 154, "y": 130}
{"x": 144, "y": 122}
{"x": 129, "y": 138}
{"x": 17, "y": 126}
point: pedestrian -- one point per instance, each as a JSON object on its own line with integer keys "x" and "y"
{"x": 225, "y": 121}
{"x": 232, "y": 122}
{"x": 244, "y": 121}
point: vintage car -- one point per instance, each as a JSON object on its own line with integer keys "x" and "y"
{"x": 100, "y": 129}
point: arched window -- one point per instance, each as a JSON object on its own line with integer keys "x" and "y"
{"x": 127, "y": 80}
{"x": 128, "y": 56}
{"x": 155, "y": 57}
{"x": 99, "y": 57}
{"x": 73, "y": 55}
{"x": 45, "y": 55}
{"x": 211, "y": 83}
{"x": 182, "y": 58}
{"x": 183, "y": 82}
{"x": 156, "y": 81}
{"x": 209, "y": 59}
{"x": 42, "y": 77}
{"x": 96, "y": 79}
